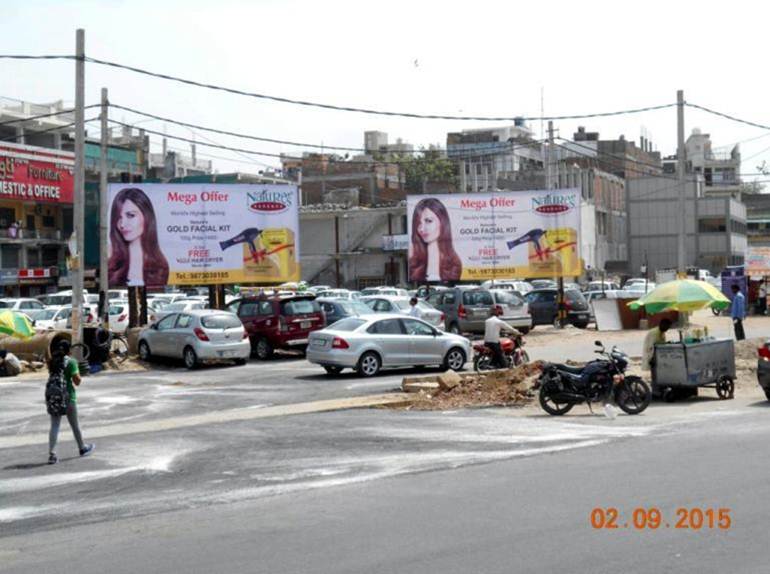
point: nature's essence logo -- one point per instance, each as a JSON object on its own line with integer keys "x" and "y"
{"x": 269, "y": 200}
{"x": 554, "y": 203}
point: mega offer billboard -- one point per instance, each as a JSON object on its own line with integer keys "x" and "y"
{"x": 29, "y": 173}
{"x": 202, "y": 234}
{"x": 504, "y": 235}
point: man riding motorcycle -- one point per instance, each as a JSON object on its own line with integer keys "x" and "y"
{"x": 492, "y": 329}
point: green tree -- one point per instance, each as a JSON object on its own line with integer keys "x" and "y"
{"x": 427, "y": 166}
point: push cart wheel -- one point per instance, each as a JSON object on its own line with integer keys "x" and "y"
{"x": 716, "y": 311}
{"x": 669, "y": 395}
{"x": 725, "y": 388}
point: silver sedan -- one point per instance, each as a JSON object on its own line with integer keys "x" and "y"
{"x": 196, "y": 335}
{"x": 372, "y": 342}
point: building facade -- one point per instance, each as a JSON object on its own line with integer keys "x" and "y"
{"x": 715, "y": 227}
{"x": 485, "y": 155}
{"x": 720, "y": 169}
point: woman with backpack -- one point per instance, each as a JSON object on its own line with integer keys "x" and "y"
{"x": 61, "y": 399}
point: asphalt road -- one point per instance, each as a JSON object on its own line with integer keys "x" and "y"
{"x": 367, "y": 490}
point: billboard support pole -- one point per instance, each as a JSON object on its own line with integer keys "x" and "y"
{"x": 103, "y": 216}
{"x": 549, "y": 184}
{"x": 79, "y": 192}
{"x": 337, "y": 251}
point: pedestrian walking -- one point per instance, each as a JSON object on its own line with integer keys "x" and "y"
{"x": 738, "y": 312}
{"x": 61, "y": 399}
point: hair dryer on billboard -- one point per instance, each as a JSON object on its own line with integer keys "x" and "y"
{"x": 534, "y": 236}
{"x": 248, "y": 236}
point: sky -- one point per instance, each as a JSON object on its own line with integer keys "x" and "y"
{"x": 481, "y": 58}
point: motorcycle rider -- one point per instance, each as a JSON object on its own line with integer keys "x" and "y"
{"x": 492, "y": 328}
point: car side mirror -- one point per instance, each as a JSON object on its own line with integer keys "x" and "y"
{"x": 154, "y": 326}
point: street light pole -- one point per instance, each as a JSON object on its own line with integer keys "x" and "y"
{"x": 103, "y": 215}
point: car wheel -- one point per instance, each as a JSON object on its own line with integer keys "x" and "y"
{"x": 454, "y": 328}
{"x": 144, "y": 351}
{"x": 332, "y": 369}
{"x": 454, "y": 359}
{"x": 190, "y": 358}
{"x": 263, "y": 350}
{"x": 524, "y": 330}
{"x": 369, "y": 364}
{"x": 240, "y": 362}
{"x": 767, "y": 394}
{"x": 581, "y": 325}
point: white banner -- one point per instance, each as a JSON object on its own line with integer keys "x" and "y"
{"x": 201, "y": 234}
{"x": 501, "y": 235}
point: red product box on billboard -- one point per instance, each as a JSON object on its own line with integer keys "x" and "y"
{"x": 37, "y": 174}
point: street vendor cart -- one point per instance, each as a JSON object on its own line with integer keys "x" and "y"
{"x": 680, "y": 368}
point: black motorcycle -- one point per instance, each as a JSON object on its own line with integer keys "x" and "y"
{"x": 562, "y": 386}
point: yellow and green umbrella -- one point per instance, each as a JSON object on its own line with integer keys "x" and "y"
{"x": 15, "y": 324}
{"x": 684, "y": 295}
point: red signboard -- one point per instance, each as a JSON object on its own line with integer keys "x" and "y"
{"x": 36, "y": 174}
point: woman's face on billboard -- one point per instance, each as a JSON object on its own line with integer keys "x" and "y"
{"x": 429, "y": 227}
{"x": 131, "y": 221}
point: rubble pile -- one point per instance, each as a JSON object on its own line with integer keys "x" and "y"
{"x": 450, "y": 390}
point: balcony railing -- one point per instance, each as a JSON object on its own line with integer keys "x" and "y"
{"x": 22, "y": 234}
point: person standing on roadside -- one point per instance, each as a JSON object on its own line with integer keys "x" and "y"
{"x": 738, "y": 312}
{"x": 61, "y": 364}
{"x": 414, "y": 311}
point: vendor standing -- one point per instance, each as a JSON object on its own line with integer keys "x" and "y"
{"x": 738, "y": 312}
{"x": 655, "y": 336}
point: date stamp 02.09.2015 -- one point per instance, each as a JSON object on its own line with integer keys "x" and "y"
{"x": 652, "y": 518}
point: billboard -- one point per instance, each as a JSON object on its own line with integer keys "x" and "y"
{"x": 30, "y": 173}
{"x": 202, "y": 234}
{"x": 758, "y": 261}
{"x": 504, "y": 235}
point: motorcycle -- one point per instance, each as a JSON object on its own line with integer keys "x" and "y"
{"x": 512, "y": 349}
{"x": 563, "y": 386}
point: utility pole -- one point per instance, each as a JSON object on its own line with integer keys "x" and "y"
{"x": 681, "y": 164}
{"x": 551, "y": 184}
{"x": 80, "y": 192}
{"x": 103, "y": 216}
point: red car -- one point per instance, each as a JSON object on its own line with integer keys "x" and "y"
{"x": 276, "y": 322}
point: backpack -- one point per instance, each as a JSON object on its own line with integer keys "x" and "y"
{"x": 56, "y": 396}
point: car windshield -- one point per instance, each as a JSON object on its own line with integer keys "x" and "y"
{"x": 116, "y": 309}
{"x": 223, "y": 321}
{"x": 402, "y": 304}
{"x": 300, "y": 307}
{"x": 59, "y": 300}
{"x": 175, "y": 307}
{"x": 355, "y": 308}
{"x": 6, "y": 304}
{"x": 574, "y": 296}
{"x": 46, "y": 315}
{"x": 507, "y": 298}
{"x": 349, "y": 324}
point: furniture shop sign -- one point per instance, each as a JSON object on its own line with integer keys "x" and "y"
{"x": 36, "y": 174}
{"x": 202, "y": 234}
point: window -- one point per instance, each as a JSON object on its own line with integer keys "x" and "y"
{"x": 435, "y": 299}
{"x": 31, "y": 305}
{"x": 349, "y": 324}
{"x": 386, "y": 327}
{"x": 712, "y": 225}
{"x": 222, "y": 321}
{"x": 234, "y": 306}
{"x": 183, "y": 322}
{"x": 167, "y": 322}
{"x": 328, "y": 308}
{"x": 477, "y": 298}
{"x": 31, "y": 222}
{"x": 450, "y": 298}
{"x": 380, "y": 306}
{"x": 299, "y": 307}
{"x": 418, "y": 328}
{"x": 116, "y": 309}
{"x": 248, "y": 309}
{"x": 507, "y": 298}
{"x": 9, "y": 255}
{"x": 7, "y": 216}
{"x": 49, "y": 221}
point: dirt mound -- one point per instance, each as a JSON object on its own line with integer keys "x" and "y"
{"x": 504, "y": 387}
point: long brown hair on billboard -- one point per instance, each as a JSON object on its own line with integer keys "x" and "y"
{"x": 154, "y": 264}
{"x": 449, "y": 265}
